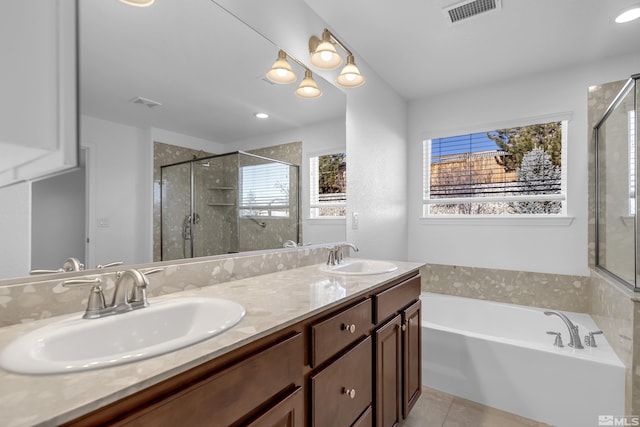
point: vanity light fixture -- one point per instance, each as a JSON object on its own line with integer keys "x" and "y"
{"x": 325, "y": 56}
{"x": 282, "y": 73}
{"x": 138, "y": 3}
{"x": 630, "y": 14}
{"x": 261, "y": 115}
{"x": 308, "y": 88}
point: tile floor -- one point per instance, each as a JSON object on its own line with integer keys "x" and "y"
{"x": 438, "y": 409}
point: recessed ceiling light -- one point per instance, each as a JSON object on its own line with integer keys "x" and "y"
{"x": 629, "y": 15}
{"x": 261, "y": 115}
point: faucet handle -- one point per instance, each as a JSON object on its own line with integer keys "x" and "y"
{"x": 590, "y": 340}
{"x": 110, "y": 264}
{"x": 558, "y": 341}
{"x": 96, "y": 300}
{"x": 139, "y": 290}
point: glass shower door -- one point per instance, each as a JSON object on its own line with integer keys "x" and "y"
{"x": 616, "y": 181}
{"x": 176, "y": 219}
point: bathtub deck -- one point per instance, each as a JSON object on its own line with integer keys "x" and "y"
{"x": 438, "y": 409}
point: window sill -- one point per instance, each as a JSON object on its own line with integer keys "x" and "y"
{"x": 498, "y": 220}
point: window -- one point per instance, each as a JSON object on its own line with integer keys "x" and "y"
{"x": 500, "y": 172}
{"x": 328, "y": 180}
{"x": 264, "y": 190}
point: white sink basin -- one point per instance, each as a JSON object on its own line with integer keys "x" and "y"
{"x": 80, "y": 344}
{"x": 360, "y": 267}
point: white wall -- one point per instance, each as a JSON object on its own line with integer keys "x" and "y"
{"x": 320, "y": 138}
{"x": 120, "y": 182}
{"x": 58, "y": 220}
{"x": 534, "y": 247}
{"x": 376, "y": 130}
{"x": 15, "y": 230}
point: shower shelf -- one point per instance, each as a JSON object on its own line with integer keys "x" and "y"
{"x": 221, "y": 204}
{"x": 221, "y": 188}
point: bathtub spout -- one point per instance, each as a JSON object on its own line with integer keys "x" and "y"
{"x": 574, "y": 334}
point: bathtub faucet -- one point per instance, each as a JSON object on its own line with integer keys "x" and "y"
{"x": 574, "y": 334}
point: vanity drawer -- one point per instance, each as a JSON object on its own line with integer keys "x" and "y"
{"x": 343, "y": 390}
{"x": 330, "y": 336}
{"x": 396, "y": 298}
{"x": 230, "y": 395}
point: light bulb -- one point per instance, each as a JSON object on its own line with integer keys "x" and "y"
{"x": 628, "y": 15}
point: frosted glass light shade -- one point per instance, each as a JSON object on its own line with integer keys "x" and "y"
{"x": 138, "y": 3}
{"x": 350, "y": 75}
{"x": 281, "y": 71}
{"x": 323, "y": 53}
{"x": 308, "y": 88}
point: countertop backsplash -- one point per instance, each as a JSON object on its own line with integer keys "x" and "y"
{"x": 40, "y": 297}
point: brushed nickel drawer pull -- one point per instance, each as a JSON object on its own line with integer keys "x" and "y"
{"x": 349, "y": 392}
{"x": 351, "y": 328}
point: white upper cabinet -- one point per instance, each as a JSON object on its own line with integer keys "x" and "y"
{"x": 38, "y": 86}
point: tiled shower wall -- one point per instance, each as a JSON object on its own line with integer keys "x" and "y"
{"x": 166, "y": 154}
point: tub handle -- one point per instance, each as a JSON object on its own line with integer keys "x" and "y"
{"x": 590, "y": 340}
{"x": 558, "y": 341}
{"x": 351, "y": 328}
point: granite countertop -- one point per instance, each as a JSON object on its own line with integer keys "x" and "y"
{"x": 272, "y": 302}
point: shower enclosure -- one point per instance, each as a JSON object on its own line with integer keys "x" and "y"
{"x": 228, "y": 203}
{"x": 616, "y": 138}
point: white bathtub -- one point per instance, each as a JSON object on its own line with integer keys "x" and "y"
{"x": 501, "y": 356}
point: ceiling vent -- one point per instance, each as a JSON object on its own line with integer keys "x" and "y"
{"x": 468, "y": 9}
{"x": 144, "y": 101}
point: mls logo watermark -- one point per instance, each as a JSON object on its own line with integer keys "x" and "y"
{"x": 618, "y": 420}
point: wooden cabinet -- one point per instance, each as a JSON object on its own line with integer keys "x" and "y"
{"x": 288, "y": 412}
{"x": 412, "y": 356}
{"x": 397, "y": 352}
{"x": 388, "y": 357}
{"x": 357, "y": 364}
{"x": 259, "y": 388}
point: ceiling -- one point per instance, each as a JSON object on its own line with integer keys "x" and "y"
{"x": 412, "y": 46}
{"x": 201, "y": 63}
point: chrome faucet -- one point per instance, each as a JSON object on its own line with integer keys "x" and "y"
{"x": 124, "y": 298}
{"x": 574, "y": 334}
{"x": 335, "y": 253}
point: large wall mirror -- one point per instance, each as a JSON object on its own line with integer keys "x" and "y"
{"x": 166, "y": 83}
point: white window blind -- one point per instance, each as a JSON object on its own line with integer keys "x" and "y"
{"x": 264, "y": 190}
{"x": 508, "y": 171}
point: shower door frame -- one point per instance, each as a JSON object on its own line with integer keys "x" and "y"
{"x": 631, "y": 85}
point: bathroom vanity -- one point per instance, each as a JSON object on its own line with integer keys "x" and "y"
{"x": 314, "y": 349}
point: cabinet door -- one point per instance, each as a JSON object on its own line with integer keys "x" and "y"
{"x": 38, "y": 85}
{"x": 366, "y": 419}
{"x": 289, "y": 412}
{"x": 388, "y": 370}
{"x": 412, "y": 352}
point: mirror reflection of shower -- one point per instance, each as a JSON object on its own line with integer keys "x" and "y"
{"x": 228, "y": 203}
{"x": 186, "y": 232}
